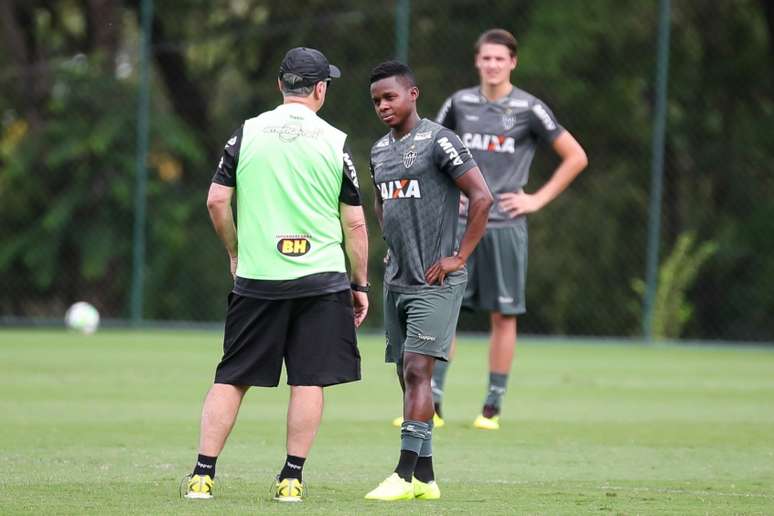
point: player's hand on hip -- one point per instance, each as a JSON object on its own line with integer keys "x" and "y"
{"x": 233, "y": 266}
{"x": 438, "y": 271}
{"x": 518, "y": 203}
{"x": 360, "y": 307}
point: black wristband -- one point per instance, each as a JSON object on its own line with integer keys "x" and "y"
{"x": 360, "y": 288}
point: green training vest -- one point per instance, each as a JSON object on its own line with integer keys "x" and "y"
{"x": 288, "y": 182}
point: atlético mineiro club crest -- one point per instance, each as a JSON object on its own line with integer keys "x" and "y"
{"x": 409, "y": 158}
{"x": 509, "y": 120}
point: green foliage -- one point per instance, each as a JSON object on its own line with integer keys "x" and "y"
{"x": 677, "y": 275}
{"x": 67, "y": 190}
{"x": 67, "y": 140}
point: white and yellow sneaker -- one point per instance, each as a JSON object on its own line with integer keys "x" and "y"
{"x": 199, "y": 487}
{"x": 438, "y": 421}
{"x": 487, "y": 423}
{"x": 288, "y": 490}
{"x": 425, "y": 490}
{"x": 391, "y": 489}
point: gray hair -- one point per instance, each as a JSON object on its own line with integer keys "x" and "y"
{"x": 287, "y": 85}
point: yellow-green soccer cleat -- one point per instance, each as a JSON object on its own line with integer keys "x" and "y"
{"x": 288, "y": 490}
{"x": 438, "y": 421}
{"x": 425, "y": 490}
{"x": 199, "y": 487}
{"x": 487, "y": 423}
{"x": 393, "y": 488}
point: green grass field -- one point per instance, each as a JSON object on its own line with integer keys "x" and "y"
{"x": 108, "y": 424}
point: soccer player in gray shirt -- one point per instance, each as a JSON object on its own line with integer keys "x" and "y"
{"x": 419, "y": 169}
{"x": 502, "y": 126}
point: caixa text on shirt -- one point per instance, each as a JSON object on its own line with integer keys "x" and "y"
{"x": 400, "y": 189}
{"x": 489, "y": 142}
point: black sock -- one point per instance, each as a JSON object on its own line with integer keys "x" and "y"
{"x": 424, "y": 469}
{"x": 293, "y": 467}
{"x": 406, "y": 464}
{"x": 490, "y": 411}
{"x": 437, "y": 407}
{"x": 205, "y": 466}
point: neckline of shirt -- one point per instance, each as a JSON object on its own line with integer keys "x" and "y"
{"x": 498, "y": 101}
{"x": 405, "y": 137}
{"x": 296, "y": 106}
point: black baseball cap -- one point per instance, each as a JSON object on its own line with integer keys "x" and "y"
{"x": 306, "y": 66}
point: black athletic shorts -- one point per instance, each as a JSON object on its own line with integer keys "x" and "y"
{"x": 314, "y": 335}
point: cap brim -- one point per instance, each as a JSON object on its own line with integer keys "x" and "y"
{"x": 334, "y": 73}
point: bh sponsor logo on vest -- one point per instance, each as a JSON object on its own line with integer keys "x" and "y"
{"x": 293, "y": 245}
{"x": 489, "y": 142}
{"x": 400, "y": 189}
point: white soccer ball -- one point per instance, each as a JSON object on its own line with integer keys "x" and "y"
{"x": 82, "y": 317}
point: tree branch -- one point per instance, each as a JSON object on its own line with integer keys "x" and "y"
{"x": 32, "y": 70}
{"x": 768, "y": 11}
{"x": 104, "y": 27}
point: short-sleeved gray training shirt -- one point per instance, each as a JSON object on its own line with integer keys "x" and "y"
{"x": 414, "y": 177}
{"x": 502, "y": 137}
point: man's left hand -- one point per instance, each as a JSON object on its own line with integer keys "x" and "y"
{"x": 519, "y": 203}
{"x": 438, "y": 271}
{"x": 359, "y": 306}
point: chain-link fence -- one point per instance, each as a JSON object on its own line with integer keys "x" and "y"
{"x": 69, "y": 83}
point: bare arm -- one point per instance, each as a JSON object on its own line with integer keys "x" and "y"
{"x": 355, "y": 241}
{"x": 219, "y": 206}
{"x": 480, "y": 200}
{"x": 356, "y": 245}
{"x": 574, "y": 160}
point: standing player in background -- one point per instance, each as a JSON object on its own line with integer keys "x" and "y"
{"x": 418, "y": 170}
{"x": 502, "y": 126}
{"x": 296, "y": 193}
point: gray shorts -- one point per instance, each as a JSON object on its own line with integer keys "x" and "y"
{"x": 497, "y": 271}
{"x": 421, "y": 322}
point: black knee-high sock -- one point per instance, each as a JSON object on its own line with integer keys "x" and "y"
{"x": 406, "y": 464}
{"x": 412, "y": 433}
{"x": 424, "y": 468}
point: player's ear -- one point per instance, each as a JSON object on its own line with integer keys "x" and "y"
{"x": 414, "y": 93}
{"x": 476, "y": 62}
{"x": 319, "y": 90}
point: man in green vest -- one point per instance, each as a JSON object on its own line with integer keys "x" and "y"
{"x": 297, "y": 198}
